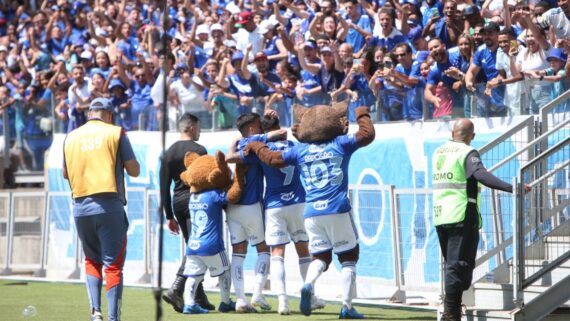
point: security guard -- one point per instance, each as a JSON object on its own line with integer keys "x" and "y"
{"x": 95, "y": 157}
{"x": 457, "y": 170}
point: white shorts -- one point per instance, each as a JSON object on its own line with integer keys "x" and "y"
{"x": 284, "y": 222}
{"x": 197, "y": 265}
{"x": 335, "y": 231}
{"x": 245, "y": 223}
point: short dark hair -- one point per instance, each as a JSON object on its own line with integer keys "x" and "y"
{"x": 186, "y": 121}
{"x": 269, "y": 122}
{"x": 246, "y": 119}
{"x": 507, "y": 31}
{"x": 404, "y": 45}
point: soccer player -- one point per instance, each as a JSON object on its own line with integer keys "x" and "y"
{"x": 324, "y": 168}
{"x": 284, "y": 201}
{"x": 245, "y": 219}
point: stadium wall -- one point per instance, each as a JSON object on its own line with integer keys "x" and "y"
{"x": 398, "y": 159}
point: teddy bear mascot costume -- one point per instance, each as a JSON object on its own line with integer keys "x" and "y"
{"x": 211, "y": 189}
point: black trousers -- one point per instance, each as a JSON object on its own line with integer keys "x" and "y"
{"x": 458, "y": 244}
{"x": 182, "y": 215}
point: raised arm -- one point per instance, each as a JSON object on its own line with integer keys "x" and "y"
{"x": 366, "y": 133}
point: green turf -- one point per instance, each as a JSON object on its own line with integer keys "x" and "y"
{"x": 68, "y": 302}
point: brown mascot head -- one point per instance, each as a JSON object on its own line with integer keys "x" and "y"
{"x": 320, "y": 123}
{"x": 206, "y": 172}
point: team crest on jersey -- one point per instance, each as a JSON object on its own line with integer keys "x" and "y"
{"x": 316, "y": 148}
{"x": 287, "y": 196}
{"x": 321, "y": 205}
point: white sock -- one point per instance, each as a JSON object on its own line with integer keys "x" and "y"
{"x": 225, "y": 281}
{"x": 190, "y": 288}
{"x": 278, "y": 274}
{"x": 237, "y": 274}
{"x": 314, "y": 271}
{"x": 261, "y": 272}
{"x": 348, "y": 276}
{"x": 304, "y": 266}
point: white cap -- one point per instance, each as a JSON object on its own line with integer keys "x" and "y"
{"x": 202, "y": 29}
{"x": 233, "y": 8}
{"x": 216, "y": 26}
{"x": 3, "y": 48}
{"x": 265, "y": 26}
{"x": 86, "y": 55}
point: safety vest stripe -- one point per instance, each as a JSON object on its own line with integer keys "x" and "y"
{"x": 449, "y": 186}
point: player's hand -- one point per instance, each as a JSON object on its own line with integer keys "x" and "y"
{"x": 173, "y": 226}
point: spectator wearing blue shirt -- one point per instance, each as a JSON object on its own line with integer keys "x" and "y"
{"x": 408, "y": 73}
{"x": 237, "y": 83}
{"x": 439, "y": 83}
{"x": 388, "y": 90}
{"x": 389, "y": 36}
{"x": 311, "y": 93}
{"x": 102, "y": 64}
{"x": 490, "y": 104}
{"x": 126, "y": 44}
{"x": 263, "y": 81}
{"x": 37, "y": 114}
{"x": 121, "y": 104}
{"x": 141, "y": 102}
{"x": 447, "y": 29}
{"x": 432, "y": 7}
{"x": 360, "y": 25}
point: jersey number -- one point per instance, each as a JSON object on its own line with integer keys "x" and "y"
{"x": 199, "y": 221}
{"x": 317, "y": 174}
{"x": 288, "y": 171}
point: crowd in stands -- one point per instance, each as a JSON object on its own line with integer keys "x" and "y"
{"x": 407, "y": 60}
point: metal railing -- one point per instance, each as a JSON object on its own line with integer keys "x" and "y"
{"x": 522, "y": 147}
{"x": 543, "y": 212}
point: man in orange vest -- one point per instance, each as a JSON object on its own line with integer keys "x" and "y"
{"x": 95, "y": 158}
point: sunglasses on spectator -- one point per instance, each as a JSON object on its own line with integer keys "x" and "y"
{"x": 139, "y": 76}
{"x": 400, "y": 55}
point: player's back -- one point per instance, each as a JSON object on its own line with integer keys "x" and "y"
{"x": 253, "y": 190}
{"x": 324, "y": 172}
{"x": 282, "y": 185}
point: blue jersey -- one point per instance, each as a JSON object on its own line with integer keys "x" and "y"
{"x": 436, "y": 70}
{"x": 324, "y": 169}
{"x": 240, "y": 87}
{"x": 282, "y": 185}
{"x": 206, "y": 237}
{"x": 253, "y": 189}
{"x": 413, "y": 108}
{"x": 486, "y": 60}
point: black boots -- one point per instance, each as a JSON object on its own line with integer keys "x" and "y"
{"x": 201, "y": 298}
{"x": 175, "y": 295}
{"x": 452, "y": 307}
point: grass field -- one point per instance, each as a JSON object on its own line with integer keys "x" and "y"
{"x": 68, "y": 302}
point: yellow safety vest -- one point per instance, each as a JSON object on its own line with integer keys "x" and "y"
{"x": 90, "y": 158}
{"x": 450, "y": 184}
